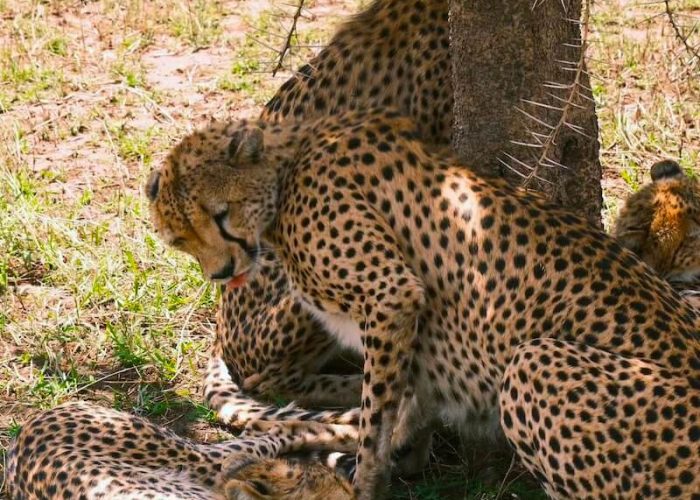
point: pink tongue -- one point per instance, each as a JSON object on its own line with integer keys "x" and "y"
{"x": 237, "y": 281}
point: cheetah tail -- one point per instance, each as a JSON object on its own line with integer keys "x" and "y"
{"x": 235, "y": 408}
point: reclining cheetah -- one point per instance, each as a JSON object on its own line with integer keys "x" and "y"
{"x": 436, "y": 274}
{"x": 264, "y": 338}
{"x": 661, "y": 224}
{"x": 80, "y": 451}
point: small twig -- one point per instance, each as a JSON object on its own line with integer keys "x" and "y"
{"x": 679, "y": 34}
{"x": 158, "y": 108}
{"x": 109, "y": 375}
{"x": 287, "y": 43}
{"x": 504, "y": 486}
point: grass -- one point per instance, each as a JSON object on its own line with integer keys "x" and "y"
{"x": 92, "y": 306}
{"x": 646, "y": 87}
{"x": 197, "y": 22}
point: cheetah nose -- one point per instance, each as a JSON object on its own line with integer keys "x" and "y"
{"x": 225, "y": 273}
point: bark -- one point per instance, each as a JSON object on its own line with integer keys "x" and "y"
{"x": 503, "y": 53}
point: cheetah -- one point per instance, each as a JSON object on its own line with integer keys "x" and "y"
{"x": 433, "y": 272}
{"x": 81, "y": 450}
{"x": 661, "y": 224}
{"x": 266, "y": 344}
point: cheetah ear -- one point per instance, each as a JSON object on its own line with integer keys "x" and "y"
{"x": 153, "y": 185}
{"x": 246, "y": 146}
{"x": 665, "y": 169}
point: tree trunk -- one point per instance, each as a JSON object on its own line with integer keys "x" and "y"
{"x": 505, "y": 53}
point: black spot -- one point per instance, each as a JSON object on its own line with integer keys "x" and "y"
{"x": 487, "y": 222}
{"x": 388, "y": 173}
{"x": 378, "y": 389}
{"x": 368, "y": 158}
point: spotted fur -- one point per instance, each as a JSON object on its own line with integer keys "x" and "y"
{"x": 661, "y": 224}
{"x": 438, "y": 273}
{"x": 83, "y": 451}
{"x": 592, "y": 423}
{"x": 396, "y": 53}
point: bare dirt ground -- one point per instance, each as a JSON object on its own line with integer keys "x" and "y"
{"x": 92, "y": 94}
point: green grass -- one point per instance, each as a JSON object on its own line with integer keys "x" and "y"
{"x": 57, "y": 46}
{"x": 28, "y": 83}
{"x": 134, "y": 145}
{"x": 246, "y": 73}
{"x": 197, "y": 22}
{"x": 13, "y": 429}
{"x": 129, "y": 73}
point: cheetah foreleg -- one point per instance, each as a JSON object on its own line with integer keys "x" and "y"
{"x": 413, "y": 435}
{"x": 387, "y": 358}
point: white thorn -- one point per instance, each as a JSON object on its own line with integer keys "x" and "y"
{"x": 532, "y": 117}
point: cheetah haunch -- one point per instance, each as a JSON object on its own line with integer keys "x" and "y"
{"x": 434, "y": 273}
{"x": 83, "y": 451}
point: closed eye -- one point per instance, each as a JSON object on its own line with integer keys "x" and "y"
{"x": 220, "y": 218}
{"x": 260, "y": 487}
{"x": 177, "y": 242}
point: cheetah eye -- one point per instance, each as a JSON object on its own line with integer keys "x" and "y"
{"x": 219, "y": 219}
{"x": 177, "y": 242}
{"x": 220, "y": 216}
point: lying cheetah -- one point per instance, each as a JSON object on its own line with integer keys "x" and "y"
{"x": 396, "y": 53}
{"x": 661, "y": 224}
{"x": 82, "y": 451}
{"x": 434, "y": 273}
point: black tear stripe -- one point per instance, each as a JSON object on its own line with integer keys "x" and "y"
{"x": 219, "y": 219}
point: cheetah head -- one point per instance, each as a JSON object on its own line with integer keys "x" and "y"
{"x": 280, "y": 479}
{"x": 213, "y": 197}
{"x": 661, "y": 224}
